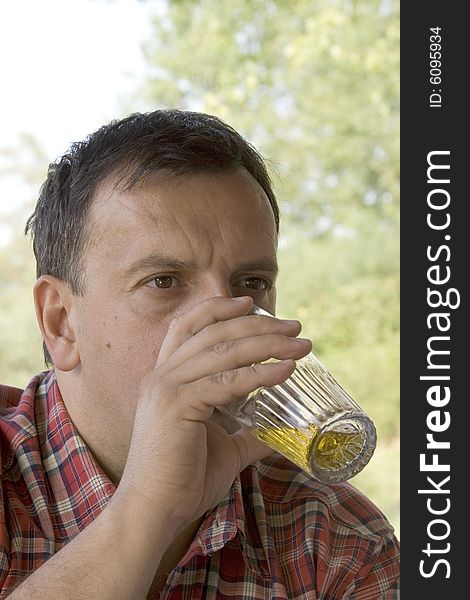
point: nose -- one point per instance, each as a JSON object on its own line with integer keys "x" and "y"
{"x": 216, "y": 287}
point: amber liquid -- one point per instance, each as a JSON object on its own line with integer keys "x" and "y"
{"x": 334, "y": 450}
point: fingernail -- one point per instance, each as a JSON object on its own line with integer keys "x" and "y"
{"x": 291, "y": 322}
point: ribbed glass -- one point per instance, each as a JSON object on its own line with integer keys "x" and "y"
{"x": 311, "y": 420}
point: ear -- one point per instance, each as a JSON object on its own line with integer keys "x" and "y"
{"x": 54, "y": 303}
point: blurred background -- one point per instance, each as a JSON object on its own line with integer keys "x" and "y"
{"x": 313, "y": 84}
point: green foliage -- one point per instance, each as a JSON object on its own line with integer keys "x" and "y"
{"x": 314, "y": 85}
{"x": 346, "y": 294}
{"x": 20, "y": 339}
{"x": 24, "y": 166}
{"x": 345, "y": 291}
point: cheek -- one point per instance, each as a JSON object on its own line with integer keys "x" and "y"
{"x": 133, "y": 345}
{"x": 116, "y": 340}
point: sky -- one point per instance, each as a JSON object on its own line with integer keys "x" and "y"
{"x": 66, "y": 67}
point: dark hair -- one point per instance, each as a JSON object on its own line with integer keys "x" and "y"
{"x": 135, "y": 148}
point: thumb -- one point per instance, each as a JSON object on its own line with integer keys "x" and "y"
{"x": 250, "y": 449}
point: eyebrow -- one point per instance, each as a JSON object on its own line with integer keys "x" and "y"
{"x": 263, "y": 264}
{"x": 158, "y": 261}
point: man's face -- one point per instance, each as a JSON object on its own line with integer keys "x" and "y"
{"x": 153, "y": 253}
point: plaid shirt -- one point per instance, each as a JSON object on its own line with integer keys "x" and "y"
{"x": 278, "y": 534}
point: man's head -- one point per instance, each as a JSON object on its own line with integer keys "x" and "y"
{"x": 123, "y": 156}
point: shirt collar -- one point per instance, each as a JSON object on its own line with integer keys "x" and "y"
{"x": 235, "y": 519}
{"x": 77, "y": 487}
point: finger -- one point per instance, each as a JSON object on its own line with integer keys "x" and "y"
{"x": 233, "y": 354}
{"x": 250, "y": 449}
{"x": 195, "y": 401}
{"x": 222, "y": 334}
{"x": 211, "y": 311}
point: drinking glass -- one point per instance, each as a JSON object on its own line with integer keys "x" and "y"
{"x": 311, "y": 420}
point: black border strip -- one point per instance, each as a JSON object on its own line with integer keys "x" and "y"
{"x": 433, "y": 263}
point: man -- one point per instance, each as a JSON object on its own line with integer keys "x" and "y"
{"x": 120, "y": 479}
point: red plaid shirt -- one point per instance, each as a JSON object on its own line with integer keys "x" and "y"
{"x": 278, "y": 534}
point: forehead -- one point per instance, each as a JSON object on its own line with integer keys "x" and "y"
{"x": 190, "y": 214}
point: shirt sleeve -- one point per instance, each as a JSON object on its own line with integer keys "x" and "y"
{"x": 380, "y": 578}
{"x": 4, "y": 559}
{"x": 354, "y": 548}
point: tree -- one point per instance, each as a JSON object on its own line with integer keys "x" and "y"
{"x": 20, "y": 338}
{"x": 314, "y": 84}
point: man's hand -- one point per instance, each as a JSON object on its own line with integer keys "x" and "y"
{"x": 180, "y": 464}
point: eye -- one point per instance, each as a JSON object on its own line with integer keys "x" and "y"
{"x": 255, "y": 283}
{"x": 162, "y": 282}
